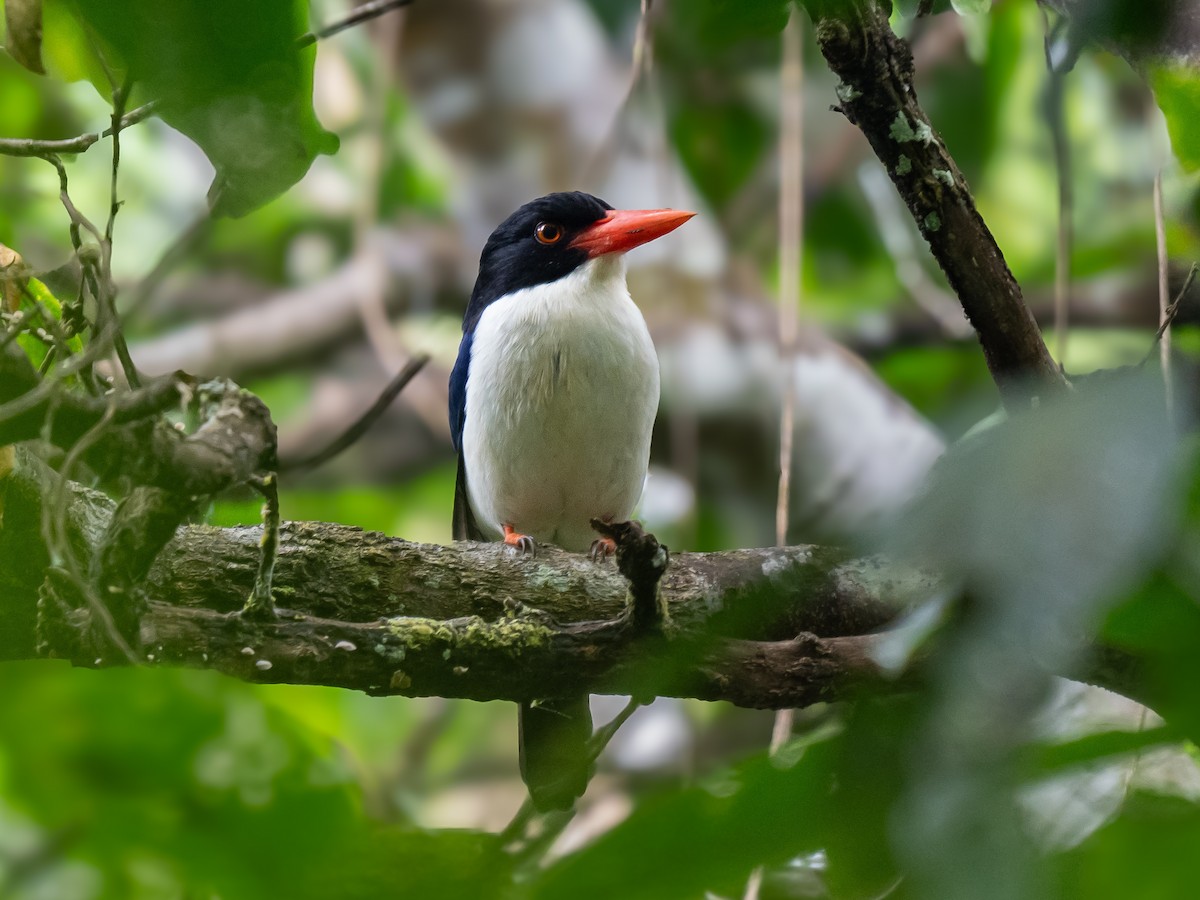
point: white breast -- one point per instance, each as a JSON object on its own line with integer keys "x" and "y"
{"x": 561, "y": 399}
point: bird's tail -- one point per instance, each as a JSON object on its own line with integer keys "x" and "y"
{"x": 555, "y": 763}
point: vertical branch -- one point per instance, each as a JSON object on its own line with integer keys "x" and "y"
{"x": 66, "y": 583}
{"x": 791, "y": 237}
{"x": 641, "y": 63}
{"x": 1056, "y": 118}
{"x": 791, "y": 247}
{"x": 103, "y": 285}
{"x": 372, "y": 308}
{"x": 120, "y": 97}
{"x": 261, "y": 602}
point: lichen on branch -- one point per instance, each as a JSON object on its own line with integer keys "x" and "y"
{"x": 876, "y": 93}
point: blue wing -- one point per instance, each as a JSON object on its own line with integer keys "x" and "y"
{"x": 464, "y": 527}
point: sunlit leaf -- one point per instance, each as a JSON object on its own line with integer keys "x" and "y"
{"x": 1177, "y": 90}
{"x": 42, "y": 312}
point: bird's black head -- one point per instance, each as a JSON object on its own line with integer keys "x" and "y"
{"x": 534, "y": 246}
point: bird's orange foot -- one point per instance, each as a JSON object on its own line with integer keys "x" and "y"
{"x": 522, "y": 543}
{"x": 602, "y": 549}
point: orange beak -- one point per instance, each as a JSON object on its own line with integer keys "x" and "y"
{"x": 624, "y": 229}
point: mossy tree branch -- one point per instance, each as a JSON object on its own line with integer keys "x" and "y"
{"x": 773, "y": 628}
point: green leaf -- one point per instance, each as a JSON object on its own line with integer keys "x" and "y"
{"x": 721, "y": 143}
{"x": 1149, "y": 852}
{"x": 227, "y": 74}
{"x": 720, "y": 23}
{"x": 1103, "y": 746}
{"x": 67, "y": 49}
{"x": 41, "y": 309}
{"x": 708, "y": 837}
{"x": 184, "y": 768}
{"x": 1045, "y": 520}
{"x": 23, "y": 36}
{"x": 1053, "y": 514}
{"x": 1177, "y": 90}
{"x": 379, "y": 861}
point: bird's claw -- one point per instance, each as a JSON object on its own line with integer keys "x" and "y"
{"x": 602, "y": 549}
{"x": 522, "y": 544}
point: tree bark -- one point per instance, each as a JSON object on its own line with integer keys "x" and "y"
{"x": 772, "y": 627}
{"x": 877, "y": 94}
{"x": 768, "y": 628}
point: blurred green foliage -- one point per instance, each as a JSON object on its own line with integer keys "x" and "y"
{"x": 158, "y": 783}
{"x": 1177, "y": 89}
{"x": 231, "y": 78}
{"x": 153, "y": 783}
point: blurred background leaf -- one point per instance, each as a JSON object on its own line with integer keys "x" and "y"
{"x": 230, "y": 77}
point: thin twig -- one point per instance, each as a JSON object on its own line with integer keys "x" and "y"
{"x": 606, "y": 733}
{"x": 107, "y": 319}
{"x": 78, "y": 219}
{"x": 55, "y": 532}
{"x": 120, "y": 96}
{"x": 30, "y": 147}
{"x": 102, "y": 340}
{"x": 641, "y": 64}
{"x": 361, "y": 14}
{"x": 1171, "y": 311}
{"x": 515, "y": 829}
{"x": 791, "y": 238}
{"x": 261, "y": 602}
{"x": 1163, "y": 337}
{"x": 103, "y": 284}
{"x": 364, "y": 422}
{"x": 99, "y": 282}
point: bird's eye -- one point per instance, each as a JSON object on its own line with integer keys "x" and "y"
{"x": 548, "y": 233}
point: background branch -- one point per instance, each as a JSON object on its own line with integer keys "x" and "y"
{"x": 877, "y": 94}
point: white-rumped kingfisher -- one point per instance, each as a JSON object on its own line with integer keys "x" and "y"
{"x": 552, "y": 401}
